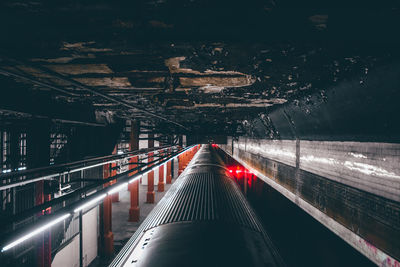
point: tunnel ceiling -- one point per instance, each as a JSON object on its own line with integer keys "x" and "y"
{"x": 205, "y": 67}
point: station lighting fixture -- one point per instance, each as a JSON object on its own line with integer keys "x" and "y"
{"x": 35, "y": 232}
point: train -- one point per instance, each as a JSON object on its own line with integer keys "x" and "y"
{"x": 203, "y": 220}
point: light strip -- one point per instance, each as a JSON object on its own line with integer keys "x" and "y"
{"x": 35, "y": 232}
{"x": 117, "y": 189}
{"x": 90, "y": 203}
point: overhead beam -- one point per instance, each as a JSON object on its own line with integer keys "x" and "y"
{"x": 59, "y": 120}
{"x": 9, "y": 73}
{"x": 78, "y": 85}
{"x": 86, "y": 88}
{"x": 114, "y": 99}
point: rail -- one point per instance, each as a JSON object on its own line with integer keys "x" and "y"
{"x": 86, "y": 200}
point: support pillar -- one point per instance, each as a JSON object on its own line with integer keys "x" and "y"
{"x": 180, "y": 164}
{"x": 108, "y": 236}
{"x": 39, "y": 199}
{"x": 150, "y": 196}
{"x": 107, "y": 220}
{"x": 115, "y": 196}
{"x": 184, "y": 161}
{"x": 160, "y": 187}
{"x": 43, "y": 245}
{"x": 169, "y": 175}
{"x": 150, "y": 187}
{"x": 180, "y": 141}
{"x": 38, "y": 155}
{"x": 134, "y": 210}
{"x": 47, "y": 239}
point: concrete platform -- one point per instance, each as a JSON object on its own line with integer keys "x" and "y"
{"x": 121, "y": 227}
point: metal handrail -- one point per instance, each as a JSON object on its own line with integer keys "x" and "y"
{"x": 79, "y": 191}
{"x": 124, "y": 177}
{"x": 68, "y": 168}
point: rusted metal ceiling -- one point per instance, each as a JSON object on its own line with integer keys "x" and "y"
{"x": 193, "y": 66}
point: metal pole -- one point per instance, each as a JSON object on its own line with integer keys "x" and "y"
{"x": 80, "y": 239}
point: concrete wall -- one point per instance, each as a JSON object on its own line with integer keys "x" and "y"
{"x": 90, "y": 235}
{"x": 372, "y": 167}
{"x": 353, "y": 188}
{"x": 69, "y": 255}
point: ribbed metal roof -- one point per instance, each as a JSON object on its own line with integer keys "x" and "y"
{"x": 202, "y": 193}
{"x": 205, "y": 197}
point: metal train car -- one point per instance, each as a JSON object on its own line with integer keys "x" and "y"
{"x": 203, "y": 220}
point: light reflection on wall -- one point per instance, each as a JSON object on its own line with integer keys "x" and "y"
{"x": 372, "y": 167}
{"x": 369, "y": 169}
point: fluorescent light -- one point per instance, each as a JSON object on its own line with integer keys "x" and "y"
{"x": 90, "y": 203}
{"x": 21, "y": 168}
{"x": 117, "y": 188}
{"x": 35, "y": 232}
